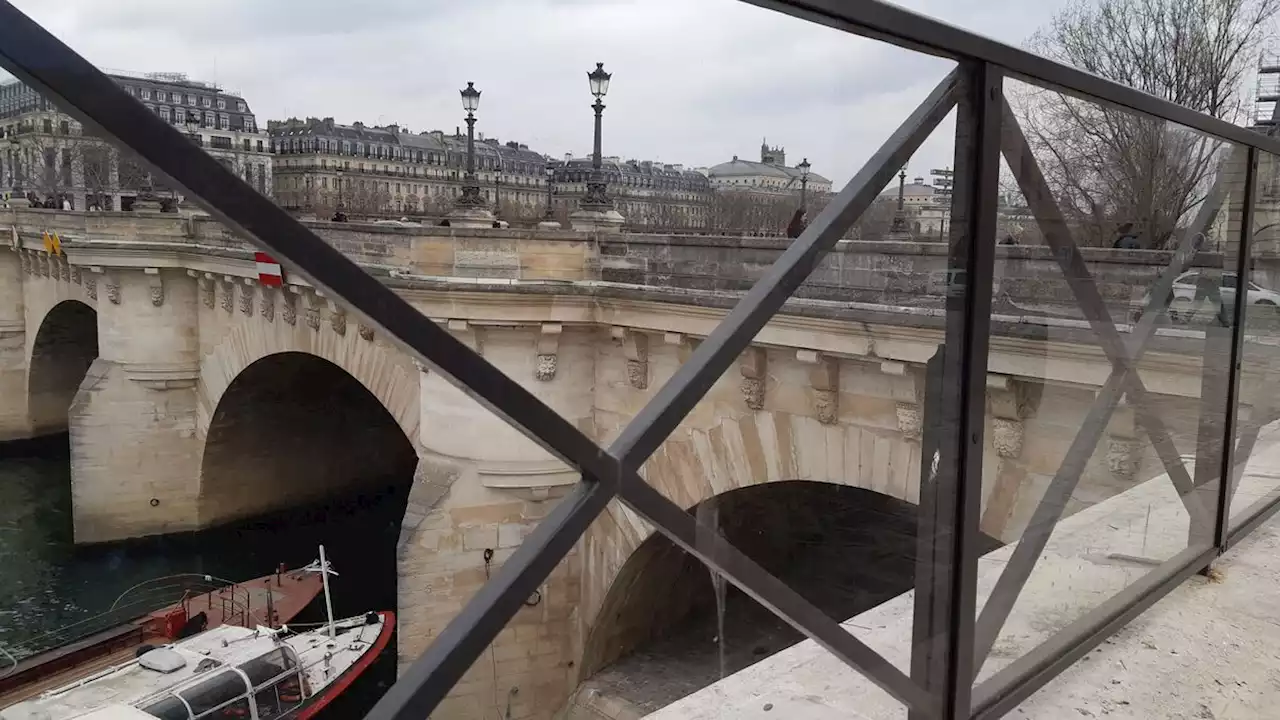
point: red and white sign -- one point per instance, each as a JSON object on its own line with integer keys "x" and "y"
{"x": 269, "y": 271}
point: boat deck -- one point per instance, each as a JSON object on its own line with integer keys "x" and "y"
{"x": 243, "y": 604}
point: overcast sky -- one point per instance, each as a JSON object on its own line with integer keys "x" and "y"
{"x": 695, "y": 81}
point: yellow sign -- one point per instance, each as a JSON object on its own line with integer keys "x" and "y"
{"x": 52, "y": 243}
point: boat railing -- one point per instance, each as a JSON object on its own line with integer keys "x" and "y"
{"x": 134, "y": 603}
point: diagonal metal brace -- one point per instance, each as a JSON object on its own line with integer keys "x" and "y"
{"x": 1082, "y": 284}
{"x": 709, "y": 546}
{"x": 669, "y": 406}
{"x": 1032, "y": 543}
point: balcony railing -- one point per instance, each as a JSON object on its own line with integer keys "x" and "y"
{"x": 953, "y": 638}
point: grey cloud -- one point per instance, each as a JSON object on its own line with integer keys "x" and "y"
{"x": 696, "y": 81}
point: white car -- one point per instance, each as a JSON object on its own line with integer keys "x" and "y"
{"x": 1183, "y": 307}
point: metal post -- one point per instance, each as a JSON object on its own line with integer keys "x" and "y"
{"x": 550, "y": 213}
{"x": 899, "y": 224}
{"x": 951, "y": 474}
{"x": 804, "y": 186}
{"x": 597, "y": 194}
{"x": 1244, "y": 264}
{"x": 470, "y": 185}
{"x": 328, "y": 599}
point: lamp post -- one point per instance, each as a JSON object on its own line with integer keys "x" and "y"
{"x": 339, "y": 191}
{"x": 16, "y": 197}
{"x": 803, "y": 167}
{"x": 497, "y": 181}
{"x": 471, "y": 197}
{"x": 550, "y": 213}
{"x": 898, "y": 229}
{"x": 597, "y": 197}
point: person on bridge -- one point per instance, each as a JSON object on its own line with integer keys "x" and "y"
{"x": 797, "y": 224}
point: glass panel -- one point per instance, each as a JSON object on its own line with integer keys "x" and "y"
{"x": 1094, "y": 482}
{"x": 237, "y": 710}
{"x": 267, "y": 667}
{"x": 170, "y": 708}
{"x": 1256, "y": 480}
{"x": 805, "y": 453}
{"x": 214, "y": 692}
{"x": 279, "y": 698}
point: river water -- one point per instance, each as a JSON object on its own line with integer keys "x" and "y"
{"x": 47, "y": 582}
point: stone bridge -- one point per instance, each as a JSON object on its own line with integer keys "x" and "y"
{"x": 195, "y": 396}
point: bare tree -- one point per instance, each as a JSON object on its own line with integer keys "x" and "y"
{"x": 738, "y": 211}
{"x": 1108, "y": 167}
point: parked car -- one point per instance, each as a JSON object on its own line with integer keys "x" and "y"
{"x": 1183, "y": 305}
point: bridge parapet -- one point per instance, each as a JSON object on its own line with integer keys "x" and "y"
{"x": 906, "y": 274}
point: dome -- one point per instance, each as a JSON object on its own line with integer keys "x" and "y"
{"x": 911, "y": 190}
{"x": 746, "y": 168}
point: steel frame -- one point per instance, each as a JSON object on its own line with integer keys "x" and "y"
{"x": 951, "y": 640}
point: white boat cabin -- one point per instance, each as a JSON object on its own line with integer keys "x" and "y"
{"x": 228, "y": 672}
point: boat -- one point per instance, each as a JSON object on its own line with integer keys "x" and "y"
{"x": 146, "y": 614}
{"x": 226, "y": 673}
{"x": 229, "y": 672}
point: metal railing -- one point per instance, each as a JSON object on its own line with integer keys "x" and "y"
{"x": 951, "y": 639}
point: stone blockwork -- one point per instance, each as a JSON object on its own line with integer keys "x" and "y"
{"x": 830, "y": 391}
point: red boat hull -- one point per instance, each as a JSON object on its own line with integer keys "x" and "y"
{"x": 314, "y": 704}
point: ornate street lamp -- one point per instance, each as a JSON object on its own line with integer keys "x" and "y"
{"x": 339, "y": 191}
{"x": 550, "y": 213}
{"x": 471, "y": 197}
{"x": 597, "y": 197}
{"x": 803, "y": 167}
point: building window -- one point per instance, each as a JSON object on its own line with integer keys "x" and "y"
{"x": 208, "y": 120}
{"x": 222, "y": 103}
{"x": 206, "y": 101}
{"x": 161, "y": 96}
{"x": 165, "y": 115}
{"x": 146, "y": 94}
{"x": 224, "y": 122}
{"x": 191, "y": 99}
{"x": 241, "y": 107}
{"x": 129, "y": 91}
{"x": 179, "y": 116}
{"x": 246, "y": 146}
{"x": 259, "y": 146}
{"x": 248, "y": 124}
{"x": 47, "y": 125}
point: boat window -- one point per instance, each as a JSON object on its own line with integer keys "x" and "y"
{"x": 267, "y": 667}
{"x": 169, "y": 708}
{"x": 215, "y": 692}
{"x": 279, "y": 698}
{"x": 238, "y": 710}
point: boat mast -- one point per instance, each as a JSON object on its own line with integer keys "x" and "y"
{"x": 328, "y": 600}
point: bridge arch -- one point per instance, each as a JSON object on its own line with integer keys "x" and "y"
{"x": 696, "y": 464}
{"x": 285, "y": 421}
{"x": 64, "y": 347}
{"x": 768, "y": 465}
{"x": 666, "y": 627}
